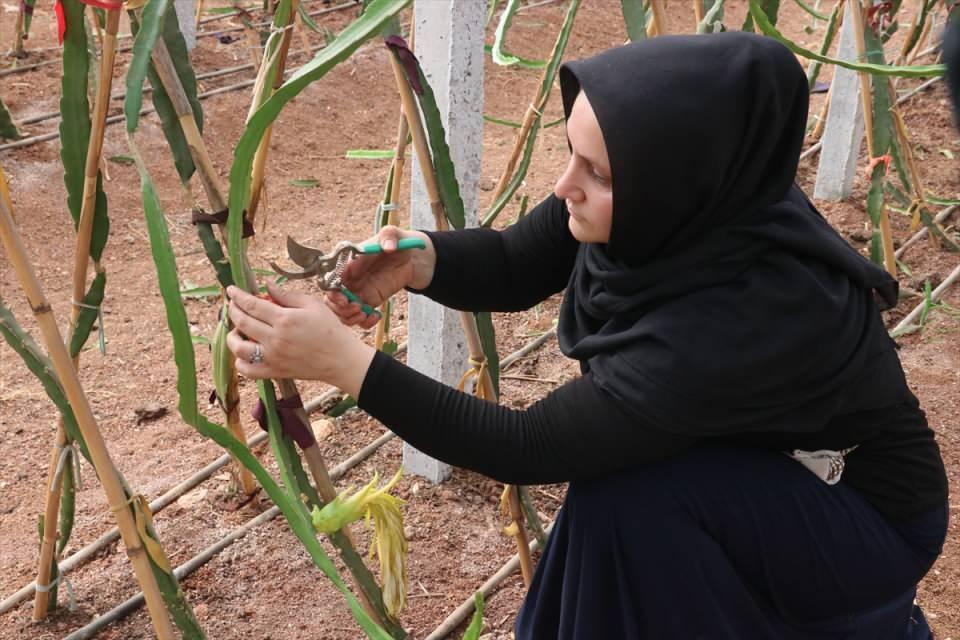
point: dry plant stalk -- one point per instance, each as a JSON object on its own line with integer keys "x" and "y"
{"x": 81, "y": 260}
{"x": 467, "y": 320}
{"x": 67, "y": 374}
{"x": 886, "y": 233}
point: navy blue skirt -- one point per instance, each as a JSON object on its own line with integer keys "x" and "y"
{"x": 728, "y": 543}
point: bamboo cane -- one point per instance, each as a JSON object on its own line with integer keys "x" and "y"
{"x": 81, "y": 260}
{"x": 396, "y": 172}
{"x": 919, "y": 196}
{"x": 301, "y": 30}
{"x": 197, "y": 14}
{"x": 171, "y": 82}
{"x": 102, "y": 462}
{"x": 904, "y": 52}
{"x": 18, "y": 51}
{"x": 288, "y": 387}
{"x": 886, "y": 233}
{"x": 165, "y": 70}
{"x": 698, "y": 10}
{"x": 822, "y": 115}
{"x": 467, "y": 319}
{"x": 918, "y": 49}
{"x": 658, "y": 26}
{"x": 260, "y": 158}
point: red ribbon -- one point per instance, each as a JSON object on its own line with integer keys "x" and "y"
{"x": 62, "y": 19}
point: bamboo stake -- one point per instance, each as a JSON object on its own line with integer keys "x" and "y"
{"x": 197, "y": 14}
{"x": 467, "y": 319}
{"x": 658, "y": 26}
{"x": 102, "y": 462}
{"x": 260, "y": 158}
{"x": 163, "y": 64}
{"x": 901, "y": 58}
{"x": 288, "y": 388}
{"x": 698, "y": 10}
{"x": 18, "y": 51}
{"x": 302, "y": 31}
{"x": 822, "y": 116}
{"x": 396, "y": 172}
{"x": 918, "y": 49}
{"x": 886, "y": 233}
{"x": 81, "y": 261}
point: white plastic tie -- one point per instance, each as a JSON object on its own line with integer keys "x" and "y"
{"x": 101, "y": 336}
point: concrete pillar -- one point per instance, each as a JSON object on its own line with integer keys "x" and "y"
{"x": 186, "y": 16}
{"x": 843, "y": 132}
{"x": 449, "y": 44}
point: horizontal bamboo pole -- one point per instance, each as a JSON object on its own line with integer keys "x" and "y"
{"x": 106, "y": 471}
{"x": 466, "y": 608}
{"x": 935, "y": 296}
{"x": 165, "y": 500}
{"x": 919, "y": 235}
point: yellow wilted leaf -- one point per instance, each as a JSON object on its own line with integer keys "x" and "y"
{"x": 388, "y": 539}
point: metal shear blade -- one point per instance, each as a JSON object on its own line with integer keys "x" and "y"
{"x": 315, "y": 263}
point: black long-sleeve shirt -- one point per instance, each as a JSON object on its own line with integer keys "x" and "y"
{"x": 579, "y": 430}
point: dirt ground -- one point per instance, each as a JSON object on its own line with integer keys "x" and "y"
{"x": 264, "y": 585}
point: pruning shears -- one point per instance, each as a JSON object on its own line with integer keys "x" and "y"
{"x": 328, "y": 268}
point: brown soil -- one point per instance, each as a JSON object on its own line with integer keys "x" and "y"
{"x": 265, "y": 586}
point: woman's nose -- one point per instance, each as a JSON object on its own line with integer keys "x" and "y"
{"x": 566, "y": 188}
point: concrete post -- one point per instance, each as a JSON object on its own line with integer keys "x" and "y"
{"x": 843, "y": 132}
{"x": 449, "y": 44}
{"x": 186, "y": 16}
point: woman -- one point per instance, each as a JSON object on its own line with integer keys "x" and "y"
{"x": 719, "y": 322}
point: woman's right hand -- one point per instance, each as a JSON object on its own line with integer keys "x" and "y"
{"x": 374, "y": 278}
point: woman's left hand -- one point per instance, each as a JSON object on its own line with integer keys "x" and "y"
{"x": 298, "y": 337}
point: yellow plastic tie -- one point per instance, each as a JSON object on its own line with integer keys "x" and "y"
{"x": 478, "y": 368}
{"x": 143, "y": 518}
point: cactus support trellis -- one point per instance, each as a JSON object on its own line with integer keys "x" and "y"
{"x": 918, "y": 193}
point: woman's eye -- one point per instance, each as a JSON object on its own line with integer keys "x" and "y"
{"x": 599, "y": 178}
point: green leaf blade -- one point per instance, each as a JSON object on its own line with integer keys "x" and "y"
{"x": 151, "y": 25}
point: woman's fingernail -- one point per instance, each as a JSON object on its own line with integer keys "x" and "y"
{"x": 389, "y": 244}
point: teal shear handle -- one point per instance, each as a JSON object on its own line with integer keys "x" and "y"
{"x": 402, "y": 245}
{"x": 373, "y": 248}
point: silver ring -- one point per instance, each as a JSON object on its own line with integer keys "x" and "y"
{"x": 257, "y": 356}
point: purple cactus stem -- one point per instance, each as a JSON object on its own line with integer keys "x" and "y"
{"x": 409, "y": 61}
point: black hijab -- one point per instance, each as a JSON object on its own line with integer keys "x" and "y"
{"x": 724, "y": 302}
